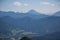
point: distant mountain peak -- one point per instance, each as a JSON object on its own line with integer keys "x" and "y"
{"x": 32, "y": 11}
{"x": 57, "y": 13}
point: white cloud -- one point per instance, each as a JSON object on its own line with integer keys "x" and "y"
{"x": 49, "y": 11}
{"x": 47, "y": 3}
{"x": 52, "y": 4}
{"x": 20, "y": 4}
{"x": 25, "y": 4}
{"x": 17, "y": 3}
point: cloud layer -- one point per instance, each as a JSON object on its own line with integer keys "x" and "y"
{"x": 25, "y": 4}
{"x": 17, "y": 4}
{"x": 42, "y": 6}
{"x": 20, "y": 4}
{"x": 47, "y": 3}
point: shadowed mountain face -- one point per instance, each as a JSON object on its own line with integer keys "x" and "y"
{"x": 31, "y": 21}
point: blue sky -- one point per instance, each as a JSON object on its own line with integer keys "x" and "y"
{"x": 43, "y": 6}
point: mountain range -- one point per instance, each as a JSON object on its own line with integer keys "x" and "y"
{"x": 32, "y": 21}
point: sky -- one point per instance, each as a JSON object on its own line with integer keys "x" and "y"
{"x": 42, "y": 6}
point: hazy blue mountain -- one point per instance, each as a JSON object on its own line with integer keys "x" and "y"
{"x": 12, "y": 14}
{"x": 57, "y": 13}
{"x": 31, "y": 21}
{"x": 31, "y": 13}
{"x": 51, "y": 24}
{"x": 35, "y": 14}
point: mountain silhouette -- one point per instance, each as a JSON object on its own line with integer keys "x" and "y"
{"x": 31, "y": 21}
{"x": 57, "y": 13}
{"x": 31, "y": 13}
